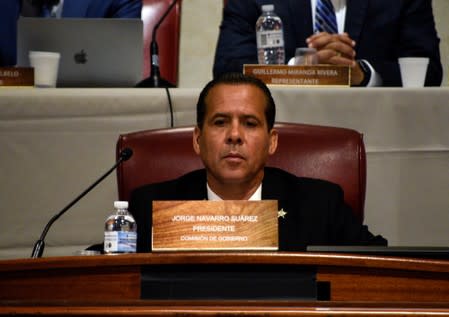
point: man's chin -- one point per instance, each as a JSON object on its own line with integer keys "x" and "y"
{"x": 233, "y": 177}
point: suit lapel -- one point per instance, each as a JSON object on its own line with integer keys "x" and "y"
{"x": 355, "y": 16}
{"x": 303, "y": 22}
{"x": 274, "y": 186}
{"x": 193, "y": 187}
{"x": 75, "y": 8}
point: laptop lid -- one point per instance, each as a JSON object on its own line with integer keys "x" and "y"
{"x": 94, "y": 52}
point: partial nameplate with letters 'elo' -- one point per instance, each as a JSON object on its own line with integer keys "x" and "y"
{"x": 16, "y": 76}
{"x": 197, "y": 225}
{"x": 301, "y": 75}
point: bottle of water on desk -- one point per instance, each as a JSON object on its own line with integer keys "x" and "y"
{"x": 120, "y": 230}
{"x": 270, "y": 37}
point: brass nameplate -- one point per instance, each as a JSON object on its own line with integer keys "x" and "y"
{"x": 16, "y": 76}
{"x": 302, "y": 75}
{"x": 215, "y": 225}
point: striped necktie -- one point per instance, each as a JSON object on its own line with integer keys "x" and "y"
{"x": 325, "y": 19}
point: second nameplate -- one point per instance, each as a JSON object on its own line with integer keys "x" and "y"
{"x": 302, "y": 75}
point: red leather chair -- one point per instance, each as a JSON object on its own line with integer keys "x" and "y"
{"x": 168, "y": 36}
{"x": 330, "y": 153}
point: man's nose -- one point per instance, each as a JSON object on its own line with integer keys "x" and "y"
{"x": 234, "y": 134}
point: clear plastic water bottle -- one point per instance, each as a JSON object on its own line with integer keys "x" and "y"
{"x": 120, "y": 230}
{"x": 270, "y": 37}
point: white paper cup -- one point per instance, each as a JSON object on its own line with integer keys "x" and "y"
{"x": 413, "y": 71}
{"x": 45, "y": 66}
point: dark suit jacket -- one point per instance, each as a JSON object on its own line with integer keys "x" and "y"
{"x": 103, "y": 8}
{"x": 383, "y": 30}
{"x": 10, "y": 12}
{"x": 316, "y": 212}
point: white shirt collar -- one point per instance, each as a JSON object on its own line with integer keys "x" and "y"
{"x": 213, "y": 196}
{"x": 58, "y": 9}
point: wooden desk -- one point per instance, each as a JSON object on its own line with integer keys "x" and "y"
{"x": 100, "y": 285}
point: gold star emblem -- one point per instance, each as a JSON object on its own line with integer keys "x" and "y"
{"x": 282, "y": 213}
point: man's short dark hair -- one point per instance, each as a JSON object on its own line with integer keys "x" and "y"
{"x": 236, "y": 79}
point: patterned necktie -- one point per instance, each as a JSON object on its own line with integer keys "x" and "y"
{"x": 325, "y": 19}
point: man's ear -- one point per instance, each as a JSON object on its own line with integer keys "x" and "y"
{"x": 196, "y": 139}
{"x": 273, "y": 141}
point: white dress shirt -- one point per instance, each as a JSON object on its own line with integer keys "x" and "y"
{"x": 56, "y": 11}
{"x": 213, "y": 196}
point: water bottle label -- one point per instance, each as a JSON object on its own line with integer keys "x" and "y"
{"x": 267, "y": 39}
{"x": 120, "y": 241}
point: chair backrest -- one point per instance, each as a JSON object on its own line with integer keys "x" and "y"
{"x": 330, "y": 153}
{"x": 168, "y": 36}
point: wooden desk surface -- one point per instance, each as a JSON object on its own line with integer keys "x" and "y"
{"x": 220, "y": 308}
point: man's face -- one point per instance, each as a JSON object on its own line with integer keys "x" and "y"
{"x": 234, "y": 143}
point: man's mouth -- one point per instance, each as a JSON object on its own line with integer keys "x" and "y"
{"x": 234, "y": 156}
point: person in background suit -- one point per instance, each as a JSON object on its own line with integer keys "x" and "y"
{"x": 10, "y": 10}
{"x": 234, "y": 136}
{"x": 372, "y": 35}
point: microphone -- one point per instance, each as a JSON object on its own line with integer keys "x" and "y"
{"x": 39, "y": 246}
{"x": 155, "y": 80}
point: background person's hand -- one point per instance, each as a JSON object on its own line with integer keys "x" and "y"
{"x": 335, "y": 49}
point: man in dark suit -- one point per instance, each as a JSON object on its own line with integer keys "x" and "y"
{"x": 234, "y": 136}
{"x": 372, "y": 35}
{"x": 10, "y": 10}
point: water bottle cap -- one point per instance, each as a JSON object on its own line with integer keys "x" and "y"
{"x": 121, "y": 204}
{"x": 268, "y": 7}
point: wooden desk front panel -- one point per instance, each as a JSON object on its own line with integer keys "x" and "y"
{"x": 92, "y": 284}
{"x": 369, "y": 284}
{"x": 111, "y": 279}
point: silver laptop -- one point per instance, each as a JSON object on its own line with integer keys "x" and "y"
{"x": 94, "y": 52}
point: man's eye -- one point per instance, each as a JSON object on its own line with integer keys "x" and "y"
{"x": 219, "y": 122}
{"x": 251, "y": 123}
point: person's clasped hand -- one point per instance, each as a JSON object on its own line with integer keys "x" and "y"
{"x": 335, "y": 49}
